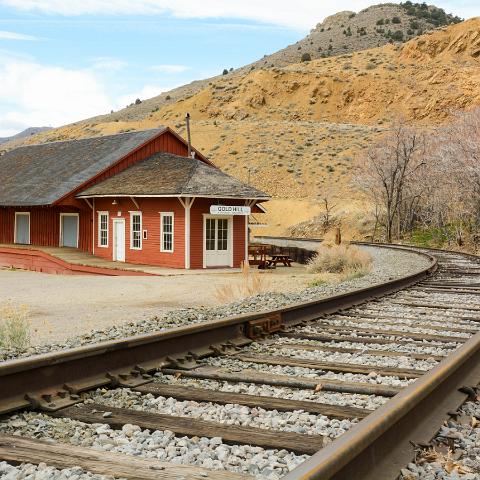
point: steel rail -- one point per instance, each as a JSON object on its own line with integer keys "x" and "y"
{"x": 58, "y": 376}
{"x": 384, "y": 442}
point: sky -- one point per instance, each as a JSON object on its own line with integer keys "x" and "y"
{"x": 66, "y": 60}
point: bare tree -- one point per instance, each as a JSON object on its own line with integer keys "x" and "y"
{"x": 391, "y": 175}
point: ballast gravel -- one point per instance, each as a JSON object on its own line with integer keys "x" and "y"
{"x": 387, "y": 265}
{"x": 373, "y": 377}
{"x": 456, "y": 451}
{"x": 350, "y": 358}
{"x": 268, "y": 464}
{"x": 424, "y": 348}
{"x": 27, "y": 471}
{"x": 295, "y": 421}
{"x": 369, "y": 402}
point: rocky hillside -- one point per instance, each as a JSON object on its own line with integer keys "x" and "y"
{"x": 296, "y": 131}
{"x": 348, "y": 32}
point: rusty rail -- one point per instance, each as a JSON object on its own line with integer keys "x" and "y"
{"x": 383, "y": 443}
{"x": 53, "y": 380}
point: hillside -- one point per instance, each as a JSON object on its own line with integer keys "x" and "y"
{"x": 28, "y": 132}
{"x": 296, "y": 131}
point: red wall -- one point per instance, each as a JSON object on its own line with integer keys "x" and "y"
{"x": 45, "y": 225}
{"x": 150, "y": 208}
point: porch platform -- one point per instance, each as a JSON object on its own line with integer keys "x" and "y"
{"x": 71, "y": 261}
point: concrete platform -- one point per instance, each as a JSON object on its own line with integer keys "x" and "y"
{"x": 71, "y": 261}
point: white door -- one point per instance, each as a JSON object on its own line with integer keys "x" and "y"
{"x": 22, "y": 228}
{"x": 69, "y": 230}
{"x": 218, "y": 241}
{"x": 119, "y": 240}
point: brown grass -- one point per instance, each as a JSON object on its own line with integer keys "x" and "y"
{"x": 252, "y": 283}
{"x": 14, "y": 326}
{"x": 349, "y": 261}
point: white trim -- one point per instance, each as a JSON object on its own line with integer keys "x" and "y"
{"x": 162, "y": 215}
{"x": 99, "y": 223}
{"x": 93, "y": 226}
{"x": 229, "y": 239}
{"x": 15, "y": 227}
{"x": 174, "y": 196}
{"x": 131, "y": 230}
{"x": 187, "y": 205}
{"x": 60, "y": 240}
{"x": 114, "y": 247}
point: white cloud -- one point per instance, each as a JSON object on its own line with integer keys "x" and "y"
{"x": 4, "y": 35}
{"x": 170, "y": 69}
{"x": 35, "y": 95}
{"x": 108, "y": 63}
{"x": 301, "y": 14}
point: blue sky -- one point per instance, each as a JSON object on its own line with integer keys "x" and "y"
{"x": 65, "y": 60}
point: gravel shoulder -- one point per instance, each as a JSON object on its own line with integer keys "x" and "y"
{"x": 72, "y": 311}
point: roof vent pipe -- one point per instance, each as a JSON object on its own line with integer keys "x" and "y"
{"x": 187, "y": 120}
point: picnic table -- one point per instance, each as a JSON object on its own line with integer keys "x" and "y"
{"x": 279, "y": 258}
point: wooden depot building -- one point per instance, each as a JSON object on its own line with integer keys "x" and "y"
{"x": 134, "y": 197}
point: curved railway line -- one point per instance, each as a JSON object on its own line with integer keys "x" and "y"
{"x": 339, "y": 388}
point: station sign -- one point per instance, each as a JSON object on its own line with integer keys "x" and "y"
{"x": 230, "y": 210}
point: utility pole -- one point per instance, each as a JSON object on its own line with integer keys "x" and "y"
{"x": 187, "y": 120}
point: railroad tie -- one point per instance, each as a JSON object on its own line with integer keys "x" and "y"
{"x": 194, "y": 427}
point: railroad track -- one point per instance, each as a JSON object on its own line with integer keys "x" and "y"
{"x": 339, "y": 388}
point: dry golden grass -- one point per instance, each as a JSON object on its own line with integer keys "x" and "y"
{"x": 252, "y": 283}
{"x": 349, "y": 261}
{"x": 14, "y": 326}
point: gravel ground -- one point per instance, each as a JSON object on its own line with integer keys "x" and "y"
{"x": 340, "y": 357}
{"x": 387, "y": 264}
{"x": 456, "y": 454}
{"x": 295, "y": 421}
{"x": 27, "y": 471}
{"x": 211, "y": 453}
{"x": 418, "y": 347}
{"x": 370, "y": 402}
{"x": 236, "y": 365}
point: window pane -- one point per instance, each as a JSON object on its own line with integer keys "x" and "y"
{"x": 222, "y": 240}
{"x": 103, "y": 229}
{"x": 210, "y": 234}
{"x": 167, "y": 233}
{"x": 136, "y": 231}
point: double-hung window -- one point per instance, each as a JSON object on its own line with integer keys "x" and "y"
{"x": 136, "y": 230}
{"x": 166, "y": 232}
{"x": 103, "y": 229}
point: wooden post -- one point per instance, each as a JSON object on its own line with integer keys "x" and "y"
{"x": 338, "y": 236}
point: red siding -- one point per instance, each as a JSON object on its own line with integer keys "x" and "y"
{"x": 150, "y": 253}
{"x": 45, "y": 225}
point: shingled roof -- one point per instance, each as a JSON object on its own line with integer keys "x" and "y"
{"x": 165, "y": 174}
{"x": 41, "y": 174}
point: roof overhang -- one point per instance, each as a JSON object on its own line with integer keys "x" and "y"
{"x": 176, "y": 195}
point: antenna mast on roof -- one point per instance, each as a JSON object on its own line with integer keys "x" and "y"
{"x": 187, "y": 120}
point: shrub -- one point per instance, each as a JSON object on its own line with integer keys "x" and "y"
{"x": 340, "y": 259}
{"x": 396, "y": 20}
{"x": 138, "y": 101}
{"x": 306, "y": 57}
{"x": 252, "y": 283}
{"x": 380, "y": 22}
{"x": 397, "y": 36}
{"x": 14, "y": 326}
{"x": 225, "y": 71}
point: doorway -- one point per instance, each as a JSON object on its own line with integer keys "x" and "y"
{"x": 69, "y": 230}
{"x": 217, "y": 249}
{"x": 22, "y": 228}
{"x": 119, "y": 240}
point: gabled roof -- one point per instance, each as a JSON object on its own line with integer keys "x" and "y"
{"x": 165, "y": 174}
{"x": 41, "y": 174}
